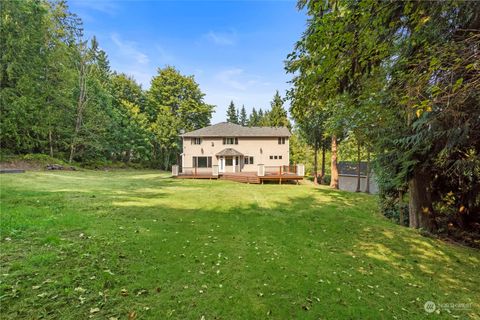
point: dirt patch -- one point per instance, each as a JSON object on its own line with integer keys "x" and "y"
{"x": 33, "y": 166}
{"x": 23, "y": 165}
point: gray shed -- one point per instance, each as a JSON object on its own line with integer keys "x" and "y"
{"x": 347, "y": 177}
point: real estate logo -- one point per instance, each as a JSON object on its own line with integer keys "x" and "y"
{"x": 429, "y": 306}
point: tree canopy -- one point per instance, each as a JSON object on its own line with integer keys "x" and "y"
{"x": 402, "y": 78}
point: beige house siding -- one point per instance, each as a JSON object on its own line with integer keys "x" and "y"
{"x": 261, "y": 148}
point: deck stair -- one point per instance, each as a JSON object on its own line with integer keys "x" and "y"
{"x": 244, "y": 177}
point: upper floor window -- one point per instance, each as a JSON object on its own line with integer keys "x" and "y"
{"x": 196, "y": 140}
{"x": 230, "y": 140}
{"x": 281, "y": 140}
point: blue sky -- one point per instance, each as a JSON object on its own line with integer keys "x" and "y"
{"x": 235, "y": 49}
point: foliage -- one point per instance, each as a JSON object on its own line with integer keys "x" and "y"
{"x": 401, "y": 79}
{"x": 58, "y": 95}
{"x": 277, "y": 116}
{"x": 178, "y": 105}
{"x": 243, "y": 119}
{"x": 232, "y": 113}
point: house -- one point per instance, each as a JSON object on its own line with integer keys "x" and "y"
{"x": 348, "y": 177}
{"x": 225, "y": 148}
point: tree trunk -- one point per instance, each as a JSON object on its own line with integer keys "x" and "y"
{"x": 50, "y": 142}
{"x": 359, "y": 161}
{"x": 82, "y": 100}
{"x": 367, "y": 184}
{"x": 315, "y": 164}
{"x": 334, "y": 168}
{"x": 400, "y": 207}
{"x": 322, "y": 177}
{"x": 420, "y": 204}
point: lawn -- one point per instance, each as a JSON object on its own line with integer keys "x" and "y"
{"x": 140, "y": 245}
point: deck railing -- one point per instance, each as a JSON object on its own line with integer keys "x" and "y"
{"x": 195, "y": 171}
{"x": 281, "y": 170}
{"x": 297, "y": 170}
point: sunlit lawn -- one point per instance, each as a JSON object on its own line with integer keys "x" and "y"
{"x": 76, "y": 245}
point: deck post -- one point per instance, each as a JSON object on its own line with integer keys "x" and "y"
{"x": 261, "y": 170}
{"x": 215, "y": 171}
{"x": 175, "y": 170}
{"x": 300, "y": 170}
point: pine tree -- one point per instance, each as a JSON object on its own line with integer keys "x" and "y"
{"x": 253, "y": 119}
{"x": 243, "y": 116}
{"x": 232, "y": 113}
{"x": 277, "y": 117}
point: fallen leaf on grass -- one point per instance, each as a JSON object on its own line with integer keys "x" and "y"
{"x": 94, "y": 310}
{"x": 124, "y": 292}
{"x": 132, "y": 315}
{"x": 143, "y": 291}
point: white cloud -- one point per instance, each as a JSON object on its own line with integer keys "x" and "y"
{"x": 221, "y": 38}
{"x": 240, "y": 86}
{"x": 128, "y": 49}
{"x": 105, "y": 6}
{"x": 163, "y": 55}
{"x": 236, "y": 78}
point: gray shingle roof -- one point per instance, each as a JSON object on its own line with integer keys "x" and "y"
{"x": 229, "y": 152}
{"x": 226, "y": 129}
{"x": 350, "y": 168}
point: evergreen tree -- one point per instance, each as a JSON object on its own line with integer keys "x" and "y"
{"x": 243, "y": 120}
{"x": 232, "y": 113}
{"x": 261, "y": 115}
{"x": 253, "y": 118}
{"x": 277, "y": 116}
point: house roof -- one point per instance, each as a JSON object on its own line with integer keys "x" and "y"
{"x": 226, "y": 129}
{"x": 229, "y": 152}
{"x": 349, "y": 168}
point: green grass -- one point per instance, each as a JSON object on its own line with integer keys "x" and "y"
{"x": 110, "y": 244}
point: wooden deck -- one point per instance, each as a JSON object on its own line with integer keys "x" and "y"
{"x": 196, "y": 176}
{"x": 246, "y": 177}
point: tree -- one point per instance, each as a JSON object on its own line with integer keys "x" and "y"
{"x": 277, "y": 117}
{"x": 131, "y": 138}
{"x": 243, "y": 120}
{"x": 420, "y": 59}
{"x": 253, "y": 119}
{"x": 36, "y": 75}
{"x": 232, "y": 113}
{"x": 178, "y": 106}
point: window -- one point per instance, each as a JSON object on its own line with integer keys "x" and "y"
{"x": 196, "y": 140}
{"x": 202, "y": 162}
{"x": 271, "y": 157}
{"x": 230, "y": 140}
{"x": 275, "y": 157}
{"x": 248, "y": 160}
{"x": 281, "y": 140}
{"x": 229, "y": 161}
{"x": 280, "y": 157}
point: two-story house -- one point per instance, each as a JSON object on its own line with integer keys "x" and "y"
{"x": 234, "y": 148}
